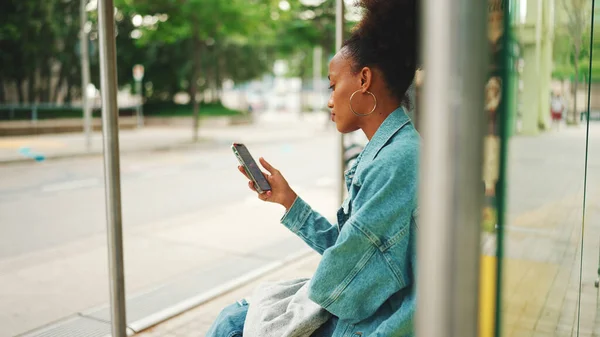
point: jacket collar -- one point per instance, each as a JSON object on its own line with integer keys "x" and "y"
{"x": 390, "y": 126}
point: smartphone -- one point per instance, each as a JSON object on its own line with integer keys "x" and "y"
{"x": 252, "y": 170}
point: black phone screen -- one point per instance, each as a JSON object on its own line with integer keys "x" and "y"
{"x": 252, "y": 167}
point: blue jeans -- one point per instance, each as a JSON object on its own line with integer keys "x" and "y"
{"x": 230, "y": 322}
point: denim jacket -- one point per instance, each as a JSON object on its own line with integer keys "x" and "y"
{"x": 366, "y": 276}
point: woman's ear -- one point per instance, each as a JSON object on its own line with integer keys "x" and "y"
{"x": 366, "y": 77}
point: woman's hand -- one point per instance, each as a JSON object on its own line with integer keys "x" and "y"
{"x": 280, "y": 193}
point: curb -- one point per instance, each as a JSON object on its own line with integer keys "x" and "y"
{"x": 202, "y": 143}
{"x": 191, "y": 303}
{"x": 84, "y": 324}
{"x": 21, "y": 160}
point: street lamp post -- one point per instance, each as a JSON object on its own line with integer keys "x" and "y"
{"x": 339, "y": 39}
{"x": 112, "y": 177}
{"x": 138, "y": 76}
{"x": 85, "y": 76}
{"x": 317, "y": 56}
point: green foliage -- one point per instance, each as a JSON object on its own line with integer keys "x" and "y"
{"x": 571, "y": 52}
{"x": 234, "y": 39}
{"x": 169, "y": 109}
{"x": 32, "y": 40}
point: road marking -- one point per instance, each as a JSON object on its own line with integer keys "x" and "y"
{"x": 16, "y": 143}
{"x": 71, "y": 185}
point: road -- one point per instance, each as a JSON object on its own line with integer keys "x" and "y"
{"x": 52, "y": 220}
{"x": 48, "y": 204}
{"x": 189, "y": 216}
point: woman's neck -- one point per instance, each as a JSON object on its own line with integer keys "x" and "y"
{"x": 374, "y": 121}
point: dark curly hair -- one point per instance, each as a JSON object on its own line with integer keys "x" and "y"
{"x": 387, "y": 39}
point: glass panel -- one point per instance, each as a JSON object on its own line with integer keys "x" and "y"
{"x": 53, "y": 254}
{"x": 192, "y": 227}
{"x": 546, "y": 288}
{"x": 588, "y": 320}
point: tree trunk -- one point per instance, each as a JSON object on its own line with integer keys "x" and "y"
{"x": 68, "y": 96}
{"x": 574, "y": 117}
{"x": 47, "y": 91}
{"x": 220, "y": 71}
{"x": 61, "y": 79}
{"x": 2, "y": 96}
{"x": 21, "y": 95}
{"x": 45, "y": 82}
{"x": 31, "y": 88}
{"x": 196, "y": 46}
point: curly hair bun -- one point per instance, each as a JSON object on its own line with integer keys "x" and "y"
{"x": 387, "y": 38}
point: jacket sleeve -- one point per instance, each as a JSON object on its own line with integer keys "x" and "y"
{"x": 371, "y": 259}
{"x": 311, "y": 226}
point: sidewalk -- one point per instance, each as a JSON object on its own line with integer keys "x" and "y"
{"x": 197, "y": 321}
{"x": 543, "y": 257}
{"x": 266, "y": 127}
{"x": 171, "y": 265}
{"x": 170, "y": 258}
{"x": 542, "y": 261}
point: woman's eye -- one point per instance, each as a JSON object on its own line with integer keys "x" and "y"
{"x": 331, "y": 87}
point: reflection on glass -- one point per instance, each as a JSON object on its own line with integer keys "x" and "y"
{"x": 191, "y": 225}
{"x": 549, "y": 258}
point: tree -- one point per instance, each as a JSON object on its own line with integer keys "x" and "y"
{"x": 38, "y": 45}
{"x": 576, "y": 27}
{"x": 204, "y": 28}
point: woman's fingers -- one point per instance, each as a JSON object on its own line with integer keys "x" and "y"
{"x": 268, "y": 166}
{"x": 241, "y": 169}
{"x": 265, "y": 196}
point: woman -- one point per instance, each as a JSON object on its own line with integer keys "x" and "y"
{"x": 366, "y": 277}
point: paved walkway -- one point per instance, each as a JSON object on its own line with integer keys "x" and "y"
{"x": 543, "y": 256}
{"x": 266, "y": 127}
{"x": 196, "y": 322}
{"x": 169, "y": 259}
{"x": 542, "y": 262}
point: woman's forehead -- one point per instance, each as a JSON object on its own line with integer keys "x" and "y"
{"x": 338, "y": 64}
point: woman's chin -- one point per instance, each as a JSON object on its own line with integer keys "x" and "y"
{"x": 344, "y": 128}
{"x": 340, "y": 127}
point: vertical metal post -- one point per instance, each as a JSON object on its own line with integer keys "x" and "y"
{"x": 455, "y": 54}
{"x": 140, "y": 106}
{"x": 317, "y": 75}
{"x": 34, "y": 114}
{"x": 85, "y": 76}
{"x": 339, "y": 39}
{"x": 110, "y": 130}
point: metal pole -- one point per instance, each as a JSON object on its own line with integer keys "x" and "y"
{"x": 455, "y": 58}
{"x": 339, "y": 39}
{"x": 140, "y": 111}
{"x": 85, "y": 76}
{"x": 317, "y": 59}
{"x": 34, "y": 114}
{"x": 110, "y": 130}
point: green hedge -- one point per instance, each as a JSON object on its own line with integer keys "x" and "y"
{"x": 162, "y": 109}
{"x": 166, "y": 109}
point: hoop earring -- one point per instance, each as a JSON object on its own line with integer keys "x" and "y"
{"x": 359, "y": 114}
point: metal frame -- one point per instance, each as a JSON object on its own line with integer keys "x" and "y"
{"x": 110, "y": 130}
{"x": 455, "y": 55}
{"x": 85, "y": 76}
{"x": 455, "y": 63}
{"x": 339, "y": 39}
